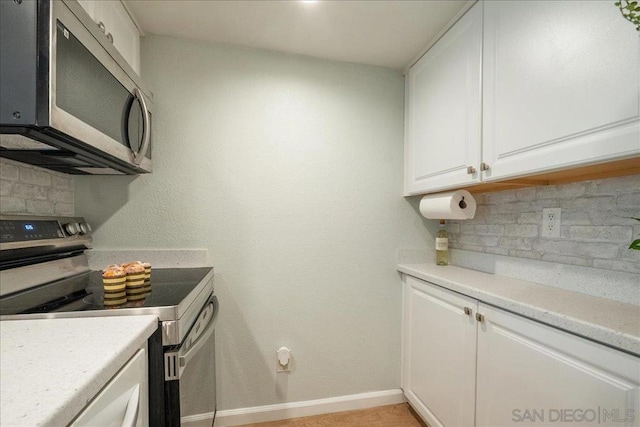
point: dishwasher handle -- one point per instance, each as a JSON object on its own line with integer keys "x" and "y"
{"x": 133, "y": 406}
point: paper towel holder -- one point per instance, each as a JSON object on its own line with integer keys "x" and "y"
{"x": 456, "y": 205}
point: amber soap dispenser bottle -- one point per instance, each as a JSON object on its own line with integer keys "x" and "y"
{"x": 442, "y": 245}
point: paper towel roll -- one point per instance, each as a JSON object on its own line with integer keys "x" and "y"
{"x": 448, "y": 205}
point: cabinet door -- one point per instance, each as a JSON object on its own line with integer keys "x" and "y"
{"x": 118, "y": 23}
{"x": 442, "y": 130}
{"x": 126, "y": 37}
{"x": 561, "y": 86}
{"x": 439, "y": 353}
{"x": 530, "y": 373}
{"x": 124, "y": 400}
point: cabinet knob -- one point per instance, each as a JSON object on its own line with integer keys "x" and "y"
{"x": 110, "y": 37}
{"x": 484, "y": 166}
{"x": 468, "y": 311}
{"x": 480, "y": 317}
{"x": 102, "y": 27}
{"x": 471, "y": 170}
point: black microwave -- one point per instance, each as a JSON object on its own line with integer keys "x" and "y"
{"x": 68, "y": 100}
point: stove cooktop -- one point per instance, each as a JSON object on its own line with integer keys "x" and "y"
{"x": 171, "y": 292}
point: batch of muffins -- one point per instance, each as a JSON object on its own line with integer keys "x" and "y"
{"x": 126, "y": 283}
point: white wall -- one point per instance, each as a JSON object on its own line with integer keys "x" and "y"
{"x": 289, "y": 171}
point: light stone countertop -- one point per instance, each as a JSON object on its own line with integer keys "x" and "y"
{"x": 610, "y": 322}
{"x": 50, "y": 369}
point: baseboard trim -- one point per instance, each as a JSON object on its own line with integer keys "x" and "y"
{"x": 198, "y": 420}
{"x": 258, "y": 414}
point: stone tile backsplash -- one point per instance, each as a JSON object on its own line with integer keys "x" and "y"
{"x": 596, "y": 228}
{"x": 26, "y": 189}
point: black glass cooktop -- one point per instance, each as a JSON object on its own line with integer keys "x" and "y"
{"x": 85, "y": 292}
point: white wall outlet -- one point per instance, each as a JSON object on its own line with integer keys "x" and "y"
{"x": 551, "y": 222}
{"x": 283, "y": 360}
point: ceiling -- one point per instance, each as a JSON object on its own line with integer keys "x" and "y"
{"x": 386, "y": 33}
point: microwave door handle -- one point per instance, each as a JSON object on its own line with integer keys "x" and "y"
{"x": 146, "y": 127}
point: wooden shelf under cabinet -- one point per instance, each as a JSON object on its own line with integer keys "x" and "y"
{"x": 583, "y": 173}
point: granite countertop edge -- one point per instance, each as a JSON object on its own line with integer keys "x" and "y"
{"x": 616, "y": 324}
{"x": 20, "y": 407}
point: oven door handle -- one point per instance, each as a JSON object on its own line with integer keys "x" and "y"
{"x": 183, "y": 359}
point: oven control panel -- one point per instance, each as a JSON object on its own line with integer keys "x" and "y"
{"x": 22, "y": 230}
{"x": 28, "y": 229}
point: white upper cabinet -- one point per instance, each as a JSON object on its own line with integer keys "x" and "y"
{"x": 443, "y": 110}
{"x": 520, "y": 88}
{"x": 561, "y": 86}
{"x": 114, "y": 18}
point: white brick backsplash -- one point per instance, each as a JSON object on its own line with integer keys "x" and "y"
{"x": 525, "y": 254}
{"x": 526, "y": 194}
{"x": 26, "y": 189}
{"x": 614, "y": 186}
{"x": 35, "y": 176}
{"x": 598, "y": 250}
{"x": 61, "y": 183}
{"x": 40, "y": 207}
{"x": 8, "y": 171}
{"x": 29, "y": 191}
{"x": 544, "y": 246}
{"x": 575, "y": 218}
{"x": 530, "y": 218}
{"x": 515, "y": 243}
{"x": 596, "y": 228}
{"x": 13, "y": 205}
{"x": 510, "y": 207}
{"x": 538, "y": 205}
{"x": 565, "y": 259}
{"x": 453, "y": 228}
{"x": 483, "y": 229}
{"x": 500, "y": 219}
{"x": 561, "y": 191}
{"x": 521, "y": 230}
{"x": 500, "y": 197}
{"x": 629, "y": 201}
{"x": 60, "y": 195}
{"x": 497, "y": 251}
{"x": 618, "y": 217}
{"x": 600, "y": 234}
{"x": 5, "y": 187}
{"x": 588, "y": 204}
{"x": 63, "y": 209}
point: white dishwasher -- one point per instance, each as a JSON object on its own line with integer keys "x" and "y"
{"x": 123, "y": 402}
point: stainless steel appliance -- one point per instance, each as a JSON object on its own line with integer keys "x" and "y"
{"x": 44, "y": 273}
{"x": 68, "y": 100}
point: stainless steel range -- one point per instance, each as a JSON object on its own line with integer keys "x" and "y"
{"x": 44, "y": 273}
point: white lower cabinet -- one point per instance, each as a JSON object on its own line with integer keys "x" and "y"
{"x": 124, "y": 400}
{"x": 505, "y": 369}
{"x": 439, "y": 360}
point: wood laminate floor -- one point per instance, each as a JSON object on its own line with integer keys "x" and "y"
{"x": 400, "y": 415}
